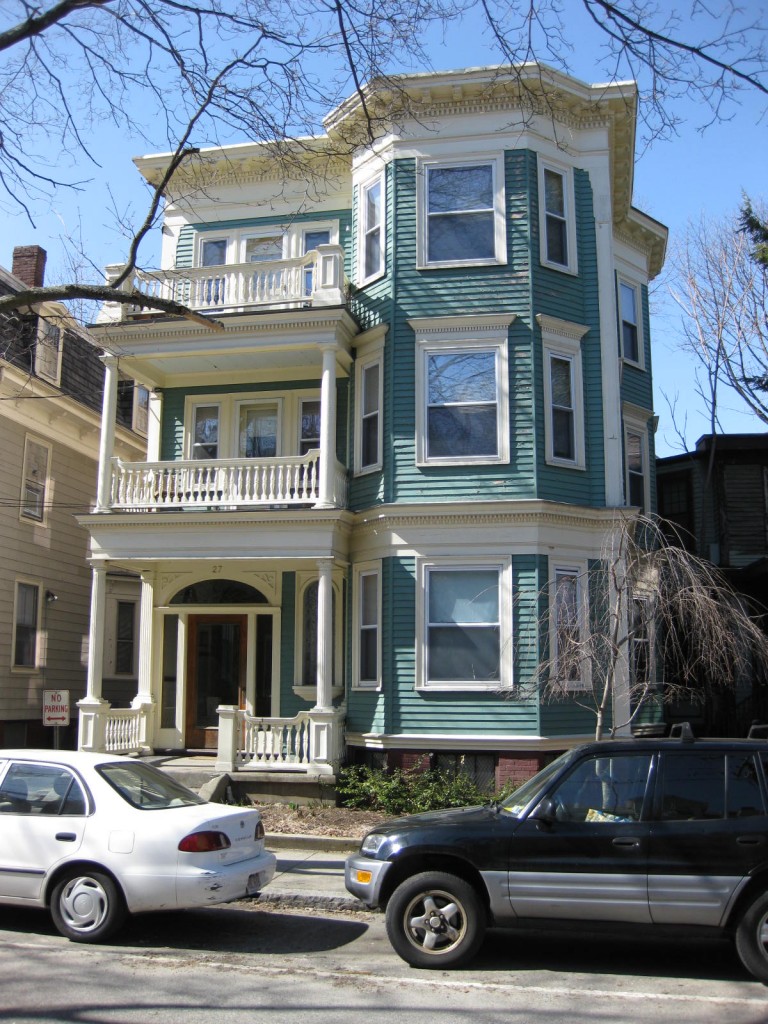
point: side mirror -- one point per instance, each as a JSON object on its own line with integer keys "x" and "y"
{"x": 545, "y": 811}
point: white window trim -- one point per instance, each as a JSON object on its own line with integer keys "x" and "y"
{"x": 27, "y": 669}
{"x": 563, "y": 339}
{"x": 579, "y": 570}
{"x": 635, "y": 421}
{"x": 375, "y": 358}
{"x": 47, "y": 492}
{"x": 485, "y": 333}
{"x": 303, "y": 580}
{"x": 289, "y": 409}
{"x": 636, "y": 287}
{"x": 572, "y": 266}
{"x": 41, "y": 345}
{"x": 496, "y": 162}
{"x": 361, "y": 571}
{"x": 292, "y": 235}
{"x": 363, "y": 230}
{"x": 504, "y": 568}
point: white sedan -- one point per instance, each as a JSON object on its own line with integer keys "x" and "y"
{"x": 95, "y": 838}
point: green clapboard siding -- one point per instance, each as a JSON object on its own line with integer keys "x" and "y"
{"x": 574, "y": 298}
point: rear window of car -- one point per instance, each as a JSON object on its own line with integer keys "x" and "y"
{"x": 146, "y": 788}
{"x": 710, "y": 784}
{"x": 29, "y": 788}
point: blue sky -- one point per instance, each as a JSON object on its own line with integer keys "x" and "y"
{"x": 698, "y": 172}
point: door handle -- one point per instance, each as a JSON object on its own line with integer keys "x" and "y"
{"x": 66, "y": 837}
{"x": 750, "y": 840}
{"x": 627, "y": 841}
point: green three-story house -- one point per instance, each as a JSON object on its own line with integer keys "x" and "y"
{"x": 426, "y": 393}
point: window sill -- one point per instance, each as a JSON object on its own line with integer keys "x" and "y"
{"x": 571, "y": 271}
{"x": 463, "y": 688}
{"x": 500, "y": 460}
{"x": 453, "y": 264}
{"x": 365, "y": 281}
{"x": 566, "y": 464}
{"x": 633, "y": 363}
{"x": 368, "y": 470}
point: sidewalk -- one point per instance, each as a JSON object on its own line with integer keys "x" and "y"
{"x": 310, "y": 873}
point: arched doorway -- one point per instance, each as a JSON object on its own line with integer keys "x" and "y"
{"x": 217, "y": 655}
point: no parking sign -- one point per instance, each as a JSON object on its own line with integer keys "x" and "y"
{"x": 55, "y": 707}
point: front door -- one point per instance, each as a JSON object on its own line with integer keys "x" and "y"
{"x": 216, "y": 655}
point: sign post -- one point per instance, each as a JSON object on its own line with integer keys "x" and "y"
{"x": 56, "y": 711}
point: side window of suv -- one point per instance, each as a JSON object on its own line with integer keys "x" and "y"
{"x": 704, "y": 785}
{"x": 604, "y": 789}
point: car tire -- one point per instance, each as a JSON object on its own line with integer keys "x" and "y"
{"x": 752, "y": 938}
{"x": 87, "y": 906}
{"x": 435, "y": 920}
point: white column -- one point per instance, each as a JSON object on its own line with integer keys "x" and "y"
{"x": 154, "y": 420}
{"x": 96, "y": 633}
{"x": 327, "y": 427}
{"x": 107, "y": 442}
{"x": 146, "y": 632}
{"x": 324, "y": 635}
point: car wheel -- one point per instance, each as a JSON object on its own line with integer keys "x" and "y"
{"x": 752, "y": 938}
{"x": 435, "y": 920}
{"x": 87, "y": 906}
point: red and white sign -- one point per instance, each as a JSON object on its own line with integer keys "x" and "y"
{"x": 55, "y": 707}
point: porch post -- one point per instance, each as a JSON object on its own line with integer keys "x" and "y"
{"x": 154, "y": 419}
{"x": 107, "y": 441}
{"x": 324, "y": 636}
{"x": 144, "y": 701}
{"x": 92, "y": 720}
{"x": 327, "y": 428}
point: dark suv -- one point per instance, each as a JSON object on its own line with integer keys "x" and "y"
{"x": 670, "y": 832}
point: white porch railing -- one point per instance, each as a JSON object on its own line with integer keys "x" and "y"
{"x": 104, "y": 729}
{"x": 312, "y": 742}
{"x": 222, "y": 483}
{"x": 316, "y": 278}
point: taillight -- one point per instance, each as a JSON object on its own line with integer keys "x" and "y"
{"x": 259, "y": 833}
{"x": 204, "y": 842}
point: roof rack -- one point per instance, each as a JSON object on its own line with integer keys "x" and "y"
{"x": 758, "y": 731}
{"x": 682, "y": 731}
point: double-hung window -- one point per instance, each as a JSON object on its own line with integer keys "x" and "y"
{"x": 568, "y": 656}
{"x": 462, "y": 390}
{"x": 368, "y": 605}
{"x": 563, "y": 392}
{"x": 641, "y": 667}
{"x": 557, "y": 222}
{"x": 369, "y": 387}
{"x": 636, "y": 458}
{"x": 629, "y": 307}
{"x": 37, "y": 457}
{"x": 371, "y": 230}
{"x": 205, "y": 435}
{"x": 258, "y": 430}
{"x": 26, "y": 617}
{"x": 309, "y": 425}
{"x": 125, "y": 638}
{"x": 463, "y": 213}
{"x": 466, "y": 633}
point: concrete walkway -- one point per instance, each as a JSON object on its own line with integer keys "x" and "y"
{"x": 310, "y": 873}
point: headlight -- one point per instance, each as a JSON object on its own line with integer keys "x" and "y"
{"x": 372, "y": 844}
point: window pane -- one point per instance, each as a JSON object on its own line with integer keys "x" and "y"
{"x": 693, "y": 786}
{"x": 262, "y": 250}
{"x": 561, "y": 382}
{"x": 604, "y": 789}
{"x": 258, "y": 432}
{"x": 457, "y": 432}
{"x": 567, "y": 625}
{"x": 371, "y": 388}
{"x": 628, "y": 303}
{"x": 460, "y": 188}
{"x": 372, "y": 252}
{"x": 125, "y": 637}
{"x": 206, "y": 437}
{"x": 314, "y": 238}
{"x": 464, "y": 596}
{"x": 554, "y": 193}
{"x": 629, "y": 342}
{"x": 563, "y": 438}
{"x": 25, "y": 645}
{"x": 557, "y": 241}
{"x": 214, "y": 252}
{"x": 744, "y": 797}
{"x": 461, "y": 654}
{"x": 368, "y": 655}
{"x": 461, "y": 377}
{"x": 309, "y": 426}
{"x": 461, "y": 236}
{"x": 635, "y": 453}
{"x": 35, "y": 480}
{"x": 373, "y": 206}
{"x": 370, "y": 441}
{"x": 369, "y": 599}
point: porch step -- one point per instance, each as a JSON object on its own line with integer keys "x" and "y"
{"x": 258, "y": 787}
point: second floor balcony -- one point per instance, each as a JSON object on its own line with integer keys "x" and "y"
{"x": 224, "y": 484}
{"x": 315, "y": 279}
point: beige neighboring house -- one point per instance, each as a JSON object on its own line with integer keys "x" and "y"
{"x": 51, "y": 386}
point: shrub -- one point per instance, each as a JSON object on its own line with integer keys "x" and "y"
{"x": 406, "y": 792}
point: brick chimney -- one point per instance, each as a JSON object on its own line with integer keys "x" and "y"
{"x": 29, "y": 265}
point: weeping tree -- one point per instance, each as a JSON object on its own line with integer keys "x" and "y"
{"x": 647, "y": 623}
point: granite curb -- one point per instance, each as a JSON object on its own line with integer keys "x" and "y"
{"x": 290, "y": 841}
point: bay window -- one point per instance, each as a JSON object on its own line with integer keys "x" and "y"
{"x": 462, "y": 213}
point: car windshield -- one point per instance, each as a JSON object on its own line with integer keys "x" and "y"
{"x": 145, "y": 787}
{"x": 517, "y": 801}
